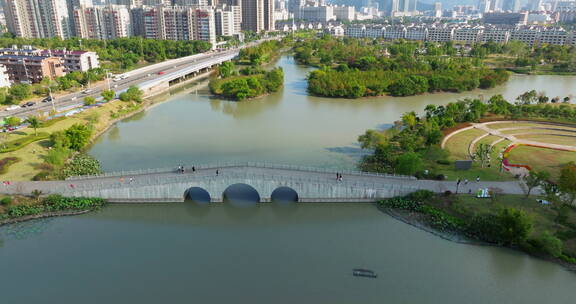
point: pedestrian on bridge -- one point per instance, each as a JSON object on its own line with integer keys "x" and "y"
{"x": 216, "y": 172}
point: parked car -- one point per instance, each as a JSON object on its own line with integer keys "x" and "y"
{"x": 161, "y": 73}
{"x": 87, "y": 91}
{"x": 11, "y": 108}
{"x": 28, "y": 104}
{"x": 48, "y": 99}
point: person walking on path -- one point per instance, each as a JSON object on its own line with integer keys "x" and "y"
{"x": 478, "y": 179}
{"x": 458, "y": 184}
{"x": 217, "y": 172}
{"x": 466, "y": 182}
{"x": 193, "y": 169}
{"x": 337, "y": 176}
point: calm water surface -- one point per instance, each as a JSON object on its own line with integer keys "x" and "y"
{"x": 267, "y": 254}
{"x": 287, "y": 127}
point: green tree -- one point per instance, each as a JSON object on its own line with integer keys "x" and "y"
{"x": 567, "y": 181}
{"x": 548, "y": 244}
{"x": 514, "y": 225}
{"x": 34, "y": 123}
{"x": 371, "y": 139}
{"x": 482, "y": 154}
{"x": 12, "y": 121}
{"x": 78, "y": 136}
{"x": 409, "y": 163}
{"x": 535, "y": 179}
{"x": 89, "y": 100}
{"x": 20, "y": 91}
{"x": 226, "y": 69}
{"x": 132, "y": 94}
{"x": 108, "y": 95}
{"x": 409, "y": 119}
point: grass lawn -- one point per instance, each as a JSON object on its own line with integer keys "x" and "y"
{"x": 542, "y": 159}
{"x": 458, "y": 144}
{"x": 503, "y": 125}
{"x": 488, "y": 140}
{"x": 545, "y": 217}
{"x": 33, "y": 153}
{"x": 551, "y": 139}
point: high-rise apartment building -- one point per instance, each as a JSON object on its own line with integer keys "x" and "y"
{"x": 176, "y": 23}
{"x": 102, "y": 22}
{"x": 226, "y": 22}
{"x": 38, "y": 18}
{"x": 258, "y": 15}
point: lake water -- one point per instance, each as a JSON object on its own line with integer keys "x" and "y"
{"x": 300, "y": 253}
{"x": 287, "y": 127}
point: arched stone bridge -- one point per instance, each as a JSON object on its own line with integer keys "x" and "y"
{"x": 311, "y": 184}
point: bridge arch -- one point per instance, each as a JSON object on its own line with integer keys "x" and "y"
{"x": 241, "y": 194}
{"x": 284, "y": 194}
{"x": 198, "y": 195}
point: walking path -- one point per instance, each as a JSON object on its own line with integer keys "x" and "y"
{"x": 255, "y": 174}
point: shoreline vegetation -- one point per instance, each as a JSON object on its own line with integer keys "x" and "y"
{"x": 508, "y": 221}
{"x": 251, "y": 81}
{"x": 354, "y": 68}
{"x": 19, "y": 208}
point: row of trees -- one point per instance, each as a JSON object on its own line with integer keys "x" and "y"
{"x": 262, "y": 53}
{"x": 355, "y": 68}
{"x": 121, "y": 53}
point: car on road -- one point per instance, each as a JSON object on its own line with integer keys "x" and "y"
{"x": 87, "y": 91}
{"x": 161, "y": 73}
{"x": 11, "y": 108}
{"x": 48, "y": 99}
{"x": 28, "y": 104}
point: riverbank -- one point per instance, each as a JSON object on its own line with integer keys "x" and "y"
{"x": 14, "y": 209}
{"x": 457, "y": 219}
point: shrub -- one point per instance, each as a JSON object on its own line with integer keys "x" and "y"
{"x": 443, "y": 162}
{"x": 547, "y": 244}
{"x": 57, "y": 156}
{"x": 5, "y": 201}
{"x": 81, "y": 164}
{"x": 6, "y": 162}
{"x": 420, "y": 195}
{"x": 42, "y": 176}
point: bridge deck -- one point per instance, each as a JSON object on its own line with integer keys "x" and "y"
{"x": 227, "y": 175}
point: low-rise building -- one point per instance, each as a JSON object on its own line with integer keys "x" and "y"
{"x": 394, "y": 32}
{"x": 495, "y": 35}
{"x": 553, "y": 36}
{"x": 75, "y": 60}
{"x": 468, "y": 35}
{"x": 416, "y": 33}
{"x": 440, "y": 34}
{"x": 32, "y": 69}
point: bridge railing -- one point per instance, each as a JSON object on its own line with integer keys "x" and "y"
{"x": 232, "y": 177}
{"x": 222, "y": 165}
